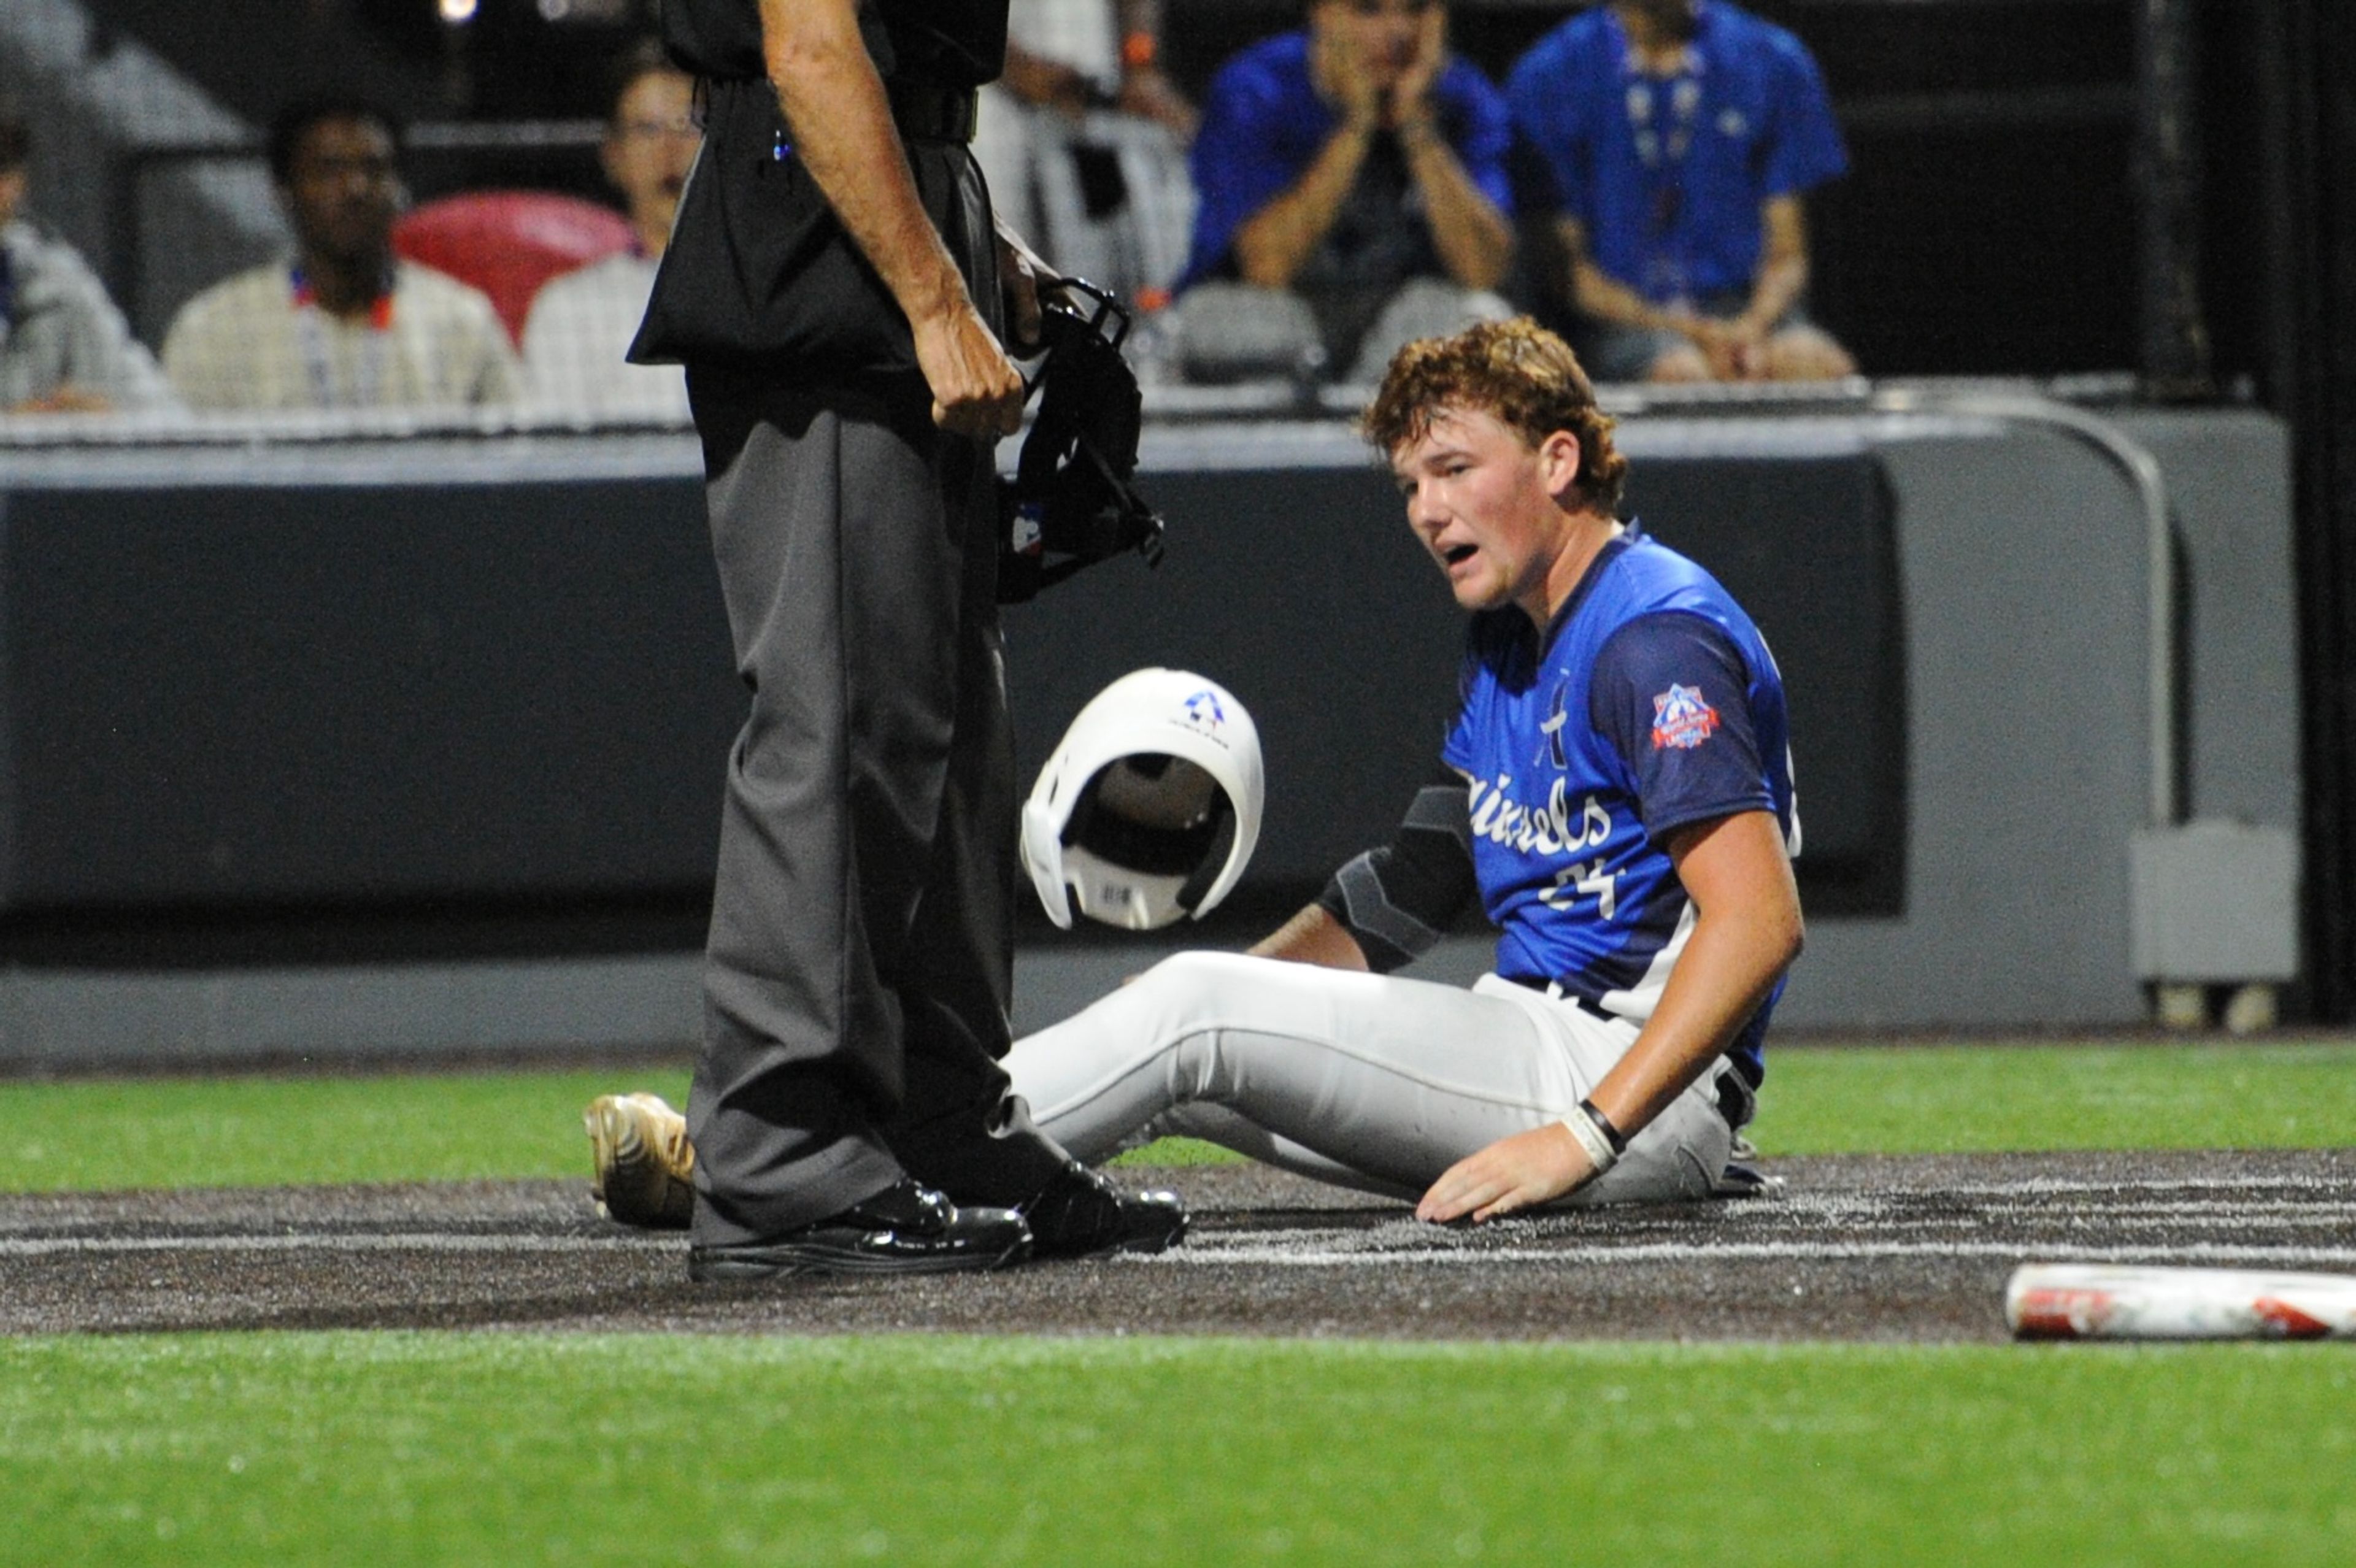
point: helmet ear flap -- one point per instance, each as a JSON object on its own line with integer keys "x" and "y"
{"x": 1042, "y": 857}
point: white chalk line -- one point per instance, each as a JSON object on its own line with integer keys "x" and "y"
{"x": 2089, "y": 1218}
{"x": 1902, "y": 1212}
{"x": 345, "y": 1241}
{"x": 1302, "y": 1250}
{"x": 1905, "y": 1213}
{"x": 2038, "y": 1186}
{"x": 1757, "y": 1252}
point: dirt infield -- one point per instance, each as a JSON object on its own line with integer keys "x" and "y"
{"x": 1889, "y": 1249}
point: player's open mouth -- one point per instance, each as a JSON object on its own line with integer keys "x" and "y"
{"x": 1459, "y": 554}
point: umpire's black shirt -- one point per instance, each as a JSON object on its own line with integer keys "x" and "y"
{"x": 758, "y": 271}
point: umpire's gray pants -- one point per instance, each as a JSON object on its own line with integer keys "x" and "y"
{"x": 860, "y": 960}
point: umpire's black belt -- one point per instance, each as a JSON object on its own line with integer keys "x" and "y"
{"x": 1737, "y": 1095}
{"x": 925, "y": 112}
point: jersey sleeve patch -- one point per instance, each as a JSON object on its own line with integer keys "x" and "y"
{"x": 1682, "y": 719}
{"x": 1671, "y": 695}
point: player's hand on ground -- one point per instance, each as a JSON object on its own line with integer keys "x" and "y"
{"x": 1513, "y": 1173}
{"x": 977, "y": 390}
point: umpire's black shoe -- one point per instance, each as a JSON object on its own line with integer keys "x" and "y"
{"x": 1080, "y": 1214}
{"x": 907, "y": 1228}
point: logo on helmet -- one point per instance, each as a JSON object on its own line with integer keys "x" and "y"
{"x": 1203, "y": 713}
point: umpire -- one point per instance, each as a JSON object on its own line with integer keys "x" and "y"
{"x": 837, "y": 290}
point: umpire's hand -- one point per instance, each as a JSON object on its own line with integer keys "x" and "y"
{"x": 977, "y": 390}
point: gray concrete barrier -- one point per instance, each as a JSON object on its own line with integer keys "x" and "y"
{"x": 434, "y": 728}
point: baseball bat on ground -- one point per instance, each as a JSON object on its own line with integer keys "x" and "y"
{"x": 2090, "y": 1301}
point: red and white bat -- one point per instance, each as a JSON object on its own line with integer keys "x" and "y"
{"x": 2096, "y": 1301}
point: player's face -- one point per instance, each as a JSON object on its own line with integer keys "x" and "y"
{"x": 1484, "y": 503}
{"x": 344, "y": 190}
{"x": 650, "y": 146}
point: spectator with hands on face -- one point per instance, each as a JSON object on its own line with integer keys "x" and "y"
{"x": 1353, "y": 195}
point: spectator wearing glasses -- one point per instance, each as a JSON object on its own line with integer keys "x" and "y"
{"x": 1680, "y": 136}
{"x": 64, "y": 348}
{"x": 1353, "y": 195}
{"x": 342, "y": 324}
{"x": 581, "y": 323}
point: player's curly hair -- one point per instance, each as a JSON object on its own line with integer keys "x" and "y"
{"x": 1517, "y": 370}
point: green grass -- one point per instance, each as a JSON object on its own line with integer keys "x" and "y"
{"x": 250, "y": 1131}
{"x": 502, "y": 1449}
{"x": 399, "y": 1449}
{"x": 1944, "y": 1099}
{"x": 1898, "y": 1099}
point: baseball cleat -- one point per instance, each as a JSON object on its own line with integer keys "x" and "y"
{"x": 907, "y": 1228}
{"x": 1741, "y": 1180}
{"x": 1080, "y": 1214}
{"x": 642, "y": 1167}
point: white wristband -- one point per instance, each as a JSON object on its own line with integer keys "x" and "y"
{"x": 1600, "y": 1153}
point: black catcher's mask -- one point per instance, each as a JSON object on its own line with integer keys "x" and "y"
{"x": 1071, "y": 503}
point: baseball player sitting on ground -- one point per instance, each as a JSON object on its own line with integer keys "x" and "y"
{"x": 1617, "y": 793}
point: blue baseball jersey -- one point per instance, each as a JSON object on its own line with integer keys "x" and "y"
{"x": 1649, "y": 703}
{"x": 1264, "y": 123}
{"x": 1668, "y": 174}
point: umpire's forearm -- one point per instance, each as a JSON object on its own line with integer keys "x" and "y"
{"x": 835, "y": 106}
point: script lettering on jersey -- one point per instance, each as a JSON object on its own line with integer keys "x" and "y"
{"x": 1554, "y": 830}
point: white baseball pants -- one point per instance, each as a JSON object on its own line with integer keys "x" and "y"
{"x": 1367, "y": 1081}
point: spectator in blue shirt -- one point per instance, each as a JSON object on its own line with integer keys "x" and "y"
{"x": 1352, "y": 195}
{"x": 1680, "y": 137}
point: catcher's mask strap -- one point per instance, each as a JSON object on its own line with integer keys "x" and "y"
{"x": 1107, "y": 308}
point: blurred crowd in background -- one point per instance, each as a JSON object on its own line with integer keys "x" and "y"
{"x": 1339, "y": 184}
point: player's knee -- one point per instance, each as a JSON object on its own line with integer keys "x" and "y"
{"x": 1188, "y": 974}
{"x": 1160, "y": 993}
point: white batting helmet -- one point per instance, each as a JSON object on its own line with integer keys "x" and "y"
{"x": 1150, "y": 806}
